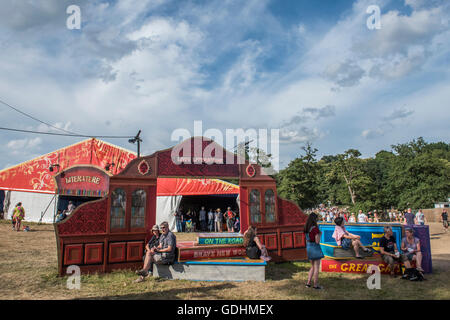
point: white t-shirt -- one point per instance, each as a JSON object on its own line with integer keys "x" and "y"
{"x": 352, "y": 219}
{"x": 362, "y": 217}
{"x": 420, "y": 216}
{"x": 390, "y": 214}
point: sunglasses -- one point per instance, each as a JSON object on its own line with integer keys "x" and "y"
{"x": 163, "y": 227}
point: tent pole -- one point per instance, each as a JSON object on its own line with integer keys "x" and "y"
{"x": 43, "y": 213}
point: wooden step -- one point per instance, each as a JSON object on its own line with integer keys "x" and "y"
{"x": 237, "y": 269}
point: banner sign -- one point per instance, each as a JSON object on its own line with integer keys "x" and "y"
{"x": 84, "y": 181}
{"x": 370, "y": 233}
{"x": 221, "y": 240}
{"x": 357, "y": 266}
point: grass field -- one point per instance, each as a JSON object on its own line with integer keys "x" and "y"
{"x": 28, "y": 270}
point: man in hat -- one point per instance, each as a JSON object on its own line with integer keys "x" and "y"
{"x": 163, "y": 253}
{"x": 149, "y": 249}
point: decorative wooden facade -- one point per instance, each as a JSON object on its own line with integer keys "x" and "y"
{"x": 111, "y": 233}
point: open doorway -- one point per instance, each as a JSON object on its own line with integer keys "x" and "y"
{"x": 210, "y": 202}
{"x": 63, "y": 202}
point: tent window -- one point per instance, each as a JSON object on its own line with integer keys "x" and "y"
{"x": 270, "y": 205}
{"x": 138, "y": 199}
{"x": 118, "y": 205}
{"x": 255, "y": 213}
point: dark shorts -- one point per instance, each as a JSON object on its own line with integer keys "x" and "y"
{"x": 346, "y": 243}
{"x": 409, "y": 256}
{"x": 391, "y": 260}
{"x": 161, "y": 258}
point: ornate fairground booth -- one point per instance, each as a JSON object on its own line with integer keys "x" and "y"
{"x": 111, "y": 233}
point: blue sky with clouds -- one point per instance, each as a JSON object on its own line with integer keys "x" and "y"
{"x": 309, "y": 68}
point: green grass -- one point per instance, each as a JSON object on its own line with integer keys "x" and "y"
{"x": 28, "y": 270}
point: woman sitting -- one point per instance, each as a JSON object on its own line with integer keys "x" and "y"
{"x": 253, "y": 247}
{"x": 411, "y": 248}
{"x": 346, "y": 239}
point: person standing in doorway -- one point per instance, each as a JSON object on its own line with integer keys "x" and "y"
{"x": 229, "y": 216}
{"x": 210, "y": 220}
{"x": 218, "y": 221}
{"x": 202, "y": 218}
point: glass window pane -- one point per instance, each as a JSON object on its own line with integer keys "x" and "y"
{"x": 270, "y": 205}
{"x": 138, "y": 200}
{"x": 118, "y": 206}
{"x": 255, "y": 212}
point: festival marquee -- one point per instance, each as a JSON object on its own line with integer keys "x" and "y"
{"x": 35, "y": 176}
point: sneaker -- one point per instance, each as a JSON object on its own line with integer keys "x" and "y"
{"x": 318, "y": 288}
{"x": 140, "y": 279}
{"x": 307, "y": 285}
{"x": 265, "y": 258}
{"x": 142, "y": 273}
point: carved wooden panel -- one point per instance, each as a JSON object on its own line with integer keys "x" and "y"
{"x": 299, "y": 240}
{"x": 73, "y": 254}
{"x": 270, "y": 241}
{"x": 286, "y": 240}
{"x": 117, "y": 252}
{"x": 135, "y": 250}
{"x": 93, "y": 253}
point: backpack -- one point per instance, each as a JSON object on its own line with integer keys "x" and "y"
{"x": 413, "y": 274}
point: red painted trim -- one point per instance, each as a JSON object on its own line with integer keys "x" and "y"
{"x": 73, "y": 249}
{"x": 286, "y": 240}
{"x": 122, "y": 253}
{"x": 90, "y": 248}
{"x": 140, "y": 248}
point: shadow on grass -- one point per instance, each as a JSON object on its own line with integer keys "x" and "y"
{"x": 285, "y": 270}
{"x": 207, "y": 292}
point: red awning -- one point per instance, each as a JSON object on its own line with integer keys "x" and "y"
{"x": 34, "y": 175}
{"x": 194, "y": 187}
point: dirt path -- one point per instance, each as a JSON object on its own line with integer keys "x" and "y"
{"x": 440, "y": 246}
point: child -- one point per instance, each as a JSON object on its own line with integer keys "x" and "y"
{"x": 189, "y": 225}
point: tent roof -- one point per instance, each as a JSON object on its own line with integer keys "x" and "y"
{"x": 194, "y": 187}
{"x": 33, "y": 175}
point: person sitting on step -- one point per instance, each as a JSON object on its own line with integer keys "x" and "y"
{"x": 253, "y": 247}
{"x": 346, "y": 239}
{"x": 389, "y": 251}
{"x": 164, "y": 253}
{"x": 411, "y": 248}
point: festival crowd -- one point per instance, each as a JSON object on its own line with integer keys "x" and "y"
{"x": 190, "y": 221}
{"x": 328, "y": 214}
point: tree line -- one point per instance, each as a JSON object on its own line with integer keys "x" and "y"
{"x": 414, "y": 174}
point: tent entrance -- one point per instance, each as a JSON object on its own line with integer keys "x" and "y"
{"x": 194, "y": 203}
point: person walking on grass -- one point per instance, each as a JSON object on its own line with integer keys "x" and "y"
{"x": 18, "y": 215}
{"x": 313, "y": 250}
{"x": 444, "y": 218}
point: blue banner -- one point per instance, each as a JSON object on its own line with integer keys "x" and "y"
{"x": 370, "y": 233}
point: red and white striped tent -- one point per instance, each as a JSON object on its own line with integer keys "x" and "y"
{"x": 32, "y": 183}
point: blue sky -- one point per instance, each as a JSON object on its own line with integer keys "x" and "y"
{"x": 309, "y": 68}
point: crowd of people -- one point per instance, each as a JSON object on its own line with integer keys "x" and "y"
{"x": 408, "y": 252}
{"x": 328, "y": 214}
{"x": 188, "y": 220}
